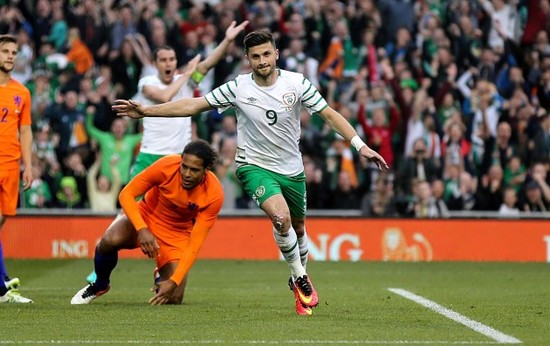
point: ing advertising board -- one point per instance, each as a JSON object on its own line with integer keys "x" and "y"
{"x": 331, "y": 239}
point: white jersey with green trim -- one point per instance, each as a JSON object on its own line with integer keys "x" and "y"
{"x": 164, "y": 136}
{"x": 268, "y": 118}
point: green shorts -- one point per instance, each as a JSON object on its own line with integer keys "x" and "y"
{"x": 260, "y": 184}
{"x": 143, "y": 161}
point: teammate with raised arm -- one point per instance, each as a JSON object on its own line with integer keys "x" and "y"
{"x": 269, "y": 164}
{"x": 164, "y": 136}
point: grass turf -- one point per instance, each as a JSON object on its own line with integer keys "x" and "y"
{"x": 246, "y": 302}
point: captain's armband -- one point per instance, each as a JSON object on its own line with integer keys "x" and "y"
{"x": 197, "y": 77}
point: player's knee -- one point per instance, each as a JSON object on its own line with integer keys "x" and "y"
{"x": 116, "y": 238}
{"x": 104, "y": 246}
{"x": 281, "y": 223}
{"x": 111, "y": 242}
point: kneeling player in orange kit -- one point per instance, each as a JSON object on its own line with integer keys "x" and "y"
{"x": 182, "y": 201}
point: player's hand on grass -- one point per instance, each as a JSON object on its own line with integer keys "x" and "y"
{"x": 374, "y": 157}
{"x": 148, "y": 243}
{"x": 128, "y": 108}
{"x": 165, "y": 290}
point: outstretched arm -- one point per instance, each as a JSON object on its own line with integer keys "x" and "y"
{"x": 177, "y": 108}
{"x": 343, "y": 127}
{"x": 230, "y": 34}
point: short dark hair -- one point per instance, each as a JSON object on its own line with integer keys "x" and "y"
{"x": 256, "y": 38}
{"x": 203, "y": 150}
{"x": 7, "y": 39}
{"x": 158, "y": 49}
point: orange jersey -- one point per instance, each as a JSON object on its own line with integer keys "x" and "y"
{"x": 15, "y": 111}
{"x": 170, "y": 211}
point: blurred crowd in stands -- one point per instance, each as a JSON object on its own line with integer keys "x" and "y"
{"x": 455, "y": 94}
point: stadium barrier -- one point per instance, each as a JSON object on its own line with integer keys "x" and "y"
{"x": 249, "y": 237}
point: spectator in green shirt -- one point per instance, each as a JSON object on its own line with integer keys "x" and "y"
{"x": 113, "y": 144}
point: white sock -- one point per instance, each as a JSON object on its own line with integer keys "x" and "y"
{"x": 290, "y": 250}
{"x": 302, "y": 245}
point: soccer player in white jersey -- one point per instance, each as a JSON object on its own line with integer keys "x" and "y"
{"x": 269, "y": 164}
{"x": 169, "y": 136}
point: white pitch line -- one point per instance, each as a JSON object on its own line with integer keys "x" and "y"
{"x": 246, "y": 342}
{"x": 455, "y": 316}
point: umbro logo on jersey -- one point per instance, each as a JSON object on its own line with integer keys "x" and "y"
{"x": 252, "y": 99}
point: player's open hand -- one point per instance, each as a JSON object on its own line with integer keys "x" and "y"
{"x": 233, "y": 30}
{"x": 128, "y": 108}
{"x": 165, "y": 290}
{"x": 374, "y": 157}
{"x": 148, "y": 243}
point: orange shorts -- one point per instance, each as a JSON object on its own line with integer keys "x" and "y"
{"x": 9, "y": 191}
{"x": 172, "y": 242}
{"x": 171, "y": 252}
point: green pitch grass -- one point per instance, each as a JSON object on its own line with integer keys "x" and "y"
{"x": 248, "y": 303}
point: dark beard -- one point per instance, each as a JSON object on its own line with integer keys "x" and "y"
{"x": 268, "y": 73}
{"x": 5, "y": 70}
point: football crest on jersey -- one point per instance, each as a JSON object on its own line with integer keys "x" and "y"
{"x": 17, "y": 100}
{"x": 260, "y": 191}
{"x": 289, "y": 99}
